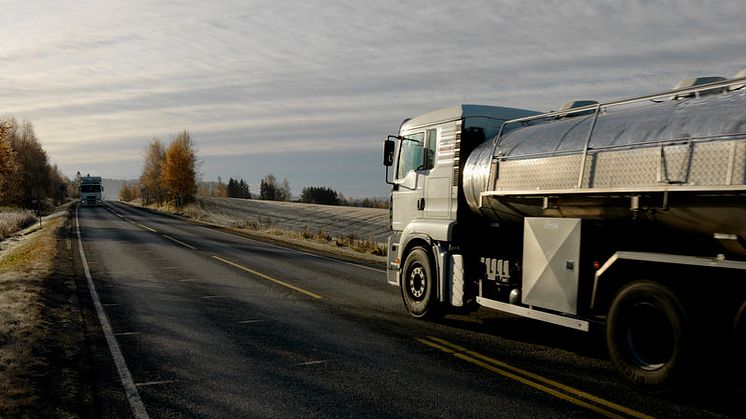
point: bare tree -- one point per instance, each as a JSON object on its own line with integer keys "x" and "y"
{"x": 269, "y": 189}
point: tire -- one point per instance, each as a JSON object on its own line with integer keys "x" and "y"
{"x": 418, "y": 285}
{"x": 646, "y": 334}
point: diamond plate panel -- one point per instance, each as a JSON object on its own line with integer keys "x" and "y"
{"x": 625, "y": 168}
{"x": 559, "y": 172}
{"x": 739, "y": 164}
{"x": 710, "y": 163}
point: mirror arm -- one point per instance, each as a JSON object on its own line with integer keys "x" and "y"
{"x": 387, "y": 177}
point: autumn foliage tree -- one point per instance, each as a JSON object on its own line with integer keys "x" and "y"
{"x": 7, "y": 161}
{"x": 155, "y": 156}
{"x": 179, "y": 171}
{"x": 26, "y": 176}
{"x": 128, "y": 192}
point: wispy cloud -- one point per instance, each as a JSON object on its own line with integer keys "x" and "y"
{"x": 314, "y": 78}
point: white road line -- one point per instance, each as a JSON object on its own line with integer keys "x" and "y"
{"x": 250, "y": 321}
{"x": 127, "y": 334}
{"x": 189, "y": 246}
{"x": 296, "y": 250}
{"x": 133, "y": 396}
{"x": 287, "y": 248}
{"x": 210, "y": 297}
{"x": 155, "y": 383}
{"x": 146, "y": 227}
{"x": 303, "y": 364}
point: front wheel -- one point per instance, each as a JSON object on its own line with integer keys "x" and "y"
{"x": 646, "y": 333}
{"x": 418, "y": 285}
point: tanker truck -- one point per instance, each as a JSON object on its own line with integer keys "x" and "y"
{"x": 627, "y": 217}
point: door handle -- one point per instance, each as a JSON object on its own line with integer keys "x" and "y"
{"x": 421, "y": 204}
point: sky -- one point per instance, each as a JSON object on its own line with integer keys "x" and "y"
{"x": 308, "y": 90}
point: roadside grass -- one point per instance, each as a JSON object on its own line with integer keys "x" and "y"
{"x": 23, "y": 270}
{"x": 361, "y": 245}
{"x": 13, "y": 220}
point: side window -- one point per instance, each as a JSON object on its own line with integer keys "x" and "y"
{"x": 430, "y": 147}
{"x": 411, "y": 154}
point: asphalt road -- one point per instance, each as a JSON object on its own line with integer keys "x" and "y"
{"x": 210, "y": 324}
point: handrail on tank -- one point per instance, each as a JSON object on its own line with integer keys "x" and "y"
{"x": 627, "y": 101}
{"x": 597, "y": 108}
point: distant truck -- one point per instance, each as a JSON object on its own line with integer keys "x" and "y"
{"x": 91, "y": 190}
{"x": 628, "y": 215}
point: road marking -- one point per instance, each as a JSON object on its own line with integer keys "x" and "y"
{"x": 294, "y": 250}
{"x": 187, "y": 280}
{"x": 210, "y": 297}
{"x": 303, "y": 364}
{"x": 133, "y": 396}
{"x": 146, "y": 227}
{"x": 127, "y": 334}
{"x": 155, "y": 383}
{"x": 250, "y": 321}
{"x": 269, "y": 278}
{"x": 189, "y": 246}
{"x": 554, "y": 388}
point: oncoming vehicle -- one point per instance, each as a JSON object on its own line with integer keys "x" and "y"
{"x": 91, "y": 190}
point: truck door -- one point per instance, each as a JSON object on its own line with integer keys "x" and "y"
{"x": 438, "y": 179}
{"x": 408, "y": 202}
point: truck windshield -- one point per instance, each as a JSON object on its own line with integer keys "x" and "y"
{"x": 90, "y": 188}
{"x": 411, "y": 154}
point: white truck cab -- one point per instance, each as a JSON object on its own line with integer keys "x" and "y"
{"x": 91, "y": 189}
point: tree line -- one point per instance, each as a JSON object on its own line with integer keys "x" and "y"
{"x": 27, "y": 177}
{"x": 169, "y": 175}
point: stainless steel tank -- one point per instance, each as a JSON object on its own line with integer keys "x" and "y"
{"x": 681, "y": 161}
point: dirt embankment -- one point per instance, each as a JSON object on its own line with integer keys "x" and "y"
{"x": 43, "y": 355}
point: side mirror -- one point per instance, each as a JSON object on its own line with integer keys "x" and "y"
{"x": 388, "y": 152}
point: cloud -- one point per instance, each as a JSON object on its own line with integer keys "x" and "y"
{"x": 261, "y": 78}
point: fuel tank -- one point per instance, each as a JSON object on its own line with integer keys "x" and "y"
{"x": 680, "y": 162}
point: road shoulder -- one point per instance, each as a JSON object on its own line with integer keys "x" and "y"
{"x": 46, "y": 361}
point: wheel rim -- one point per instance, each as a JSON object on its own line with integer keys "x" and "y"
{"x": 417, "y": 282}
{"x": 650, "y": 336}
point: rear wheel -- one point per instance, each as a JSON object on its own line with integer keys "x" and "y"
{"x": 646, "y": 332}
{"x": 418, "y": 285}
